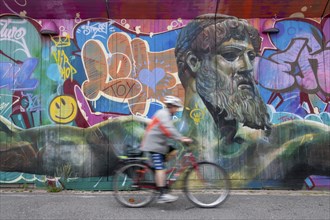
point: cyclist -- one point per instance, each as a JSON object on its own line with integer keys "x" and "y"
{"x": 159, "y": 130}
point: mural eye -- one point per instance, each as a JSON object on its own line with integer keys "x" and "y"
{"x": 230, "y": 53}
{"x": 63, "y": 101}
{"x": 57, "y": 105}
{"x": 251, "y": 55}
{"x": 230, "y": 56}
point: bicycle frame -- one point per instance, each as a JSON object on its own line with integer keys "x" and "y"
{"x": 184, "y": 160}
{"x": 138, "y": 175}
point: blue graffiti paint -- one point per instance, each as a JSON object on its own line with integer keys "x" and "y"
{"x": 151, "y": 78}
{"x": 18, "y": 77}
{"x": 102, "y": 30}
{"x": 291, "y": 29}
{"x": 53, "y": 73}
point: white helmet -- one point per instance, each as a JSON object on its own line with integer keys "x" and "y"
{"x": 172, "y": 100}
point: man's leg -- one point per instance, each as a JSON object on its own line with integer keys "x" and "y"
{"x": 172, "y": 153}
{"x": 160, "y": 179}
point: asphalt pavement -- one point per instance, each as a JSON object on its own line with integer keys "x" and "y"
{"x": 242, "y": 204}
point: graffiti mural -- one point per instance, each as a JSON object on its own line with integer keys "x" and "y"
{"x": 258, "y": 106}
{"x": 216, "y": 66}
{"x": 298, "y": 65}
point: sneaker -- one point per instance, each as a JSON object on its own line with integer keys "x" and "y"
{"x": 167, "y": 198}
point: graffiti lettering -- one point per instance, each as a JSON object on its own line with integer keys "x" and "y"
{"x": 8, "y": 32}
{"x": 66, "y": 69}
{"x": 91, "y": 117}
{"x": 307, "y": 79}
{"x": 4, "y": 106}
{"x": 131, "y": 68}
{"x": 106, "y": 80}
{"x": 286, "y": 118}
{"x": 34, "y": 102}
{"x": 120, "y": 88}
{"x": 322, "y": 71}
{"x": 11, "y": 33}
{"x": 116, "y": 88}
{"x": 17, "y": 77}
{"x": 97, "y": 29}
{"x": 301, "y": 62}
{"x": 296, "y": 67}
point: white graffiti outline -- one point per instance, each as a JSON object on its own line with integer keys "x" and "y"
{"x": 22, "y": 5}
{"x": 2, "y": 112}
{"x": 16, "y": 1}
{"x": 5, "y": 24}
{"x": 97, "y": 28}
{"x": 34, "y": 101}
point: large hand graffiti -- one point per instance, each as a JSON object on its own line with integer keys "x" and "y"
{"x": 129, "y": 72}
{"x": 101, "y": 79}
{"x": 155, "y": 70}
{"x": 90, "y": 117}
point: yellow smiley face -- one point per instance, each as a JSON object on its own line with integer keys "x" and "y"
{"x": 63, "y": 109}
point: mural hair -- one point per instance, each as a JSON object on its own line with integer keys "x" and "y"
{"x": 202, "y": 35}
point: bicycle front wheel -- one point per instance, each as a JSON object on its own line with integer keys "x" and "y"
{"x": 134, "y": 185}
{"x": 207, "y": 185}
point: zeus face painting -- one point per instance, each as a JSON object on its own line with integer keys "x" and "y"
{"x": 220, "y": 57}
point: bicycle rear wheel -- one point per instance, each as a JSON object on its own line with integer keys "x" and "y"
{"x": 134, "y": 185}
{"x": 207, "y": 185}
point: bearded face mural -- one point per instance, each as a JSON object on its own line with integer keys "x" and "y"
{"x": 215, "y": 57}
{"x": 219, "y": 53}
{"x": 223, "y": 111}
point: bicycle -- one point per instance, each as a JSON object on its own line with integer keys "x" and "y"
{"x": 134, "y": 185}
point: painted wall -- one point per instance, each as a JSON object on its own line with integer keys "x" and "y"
{"x": 69, "y": 101}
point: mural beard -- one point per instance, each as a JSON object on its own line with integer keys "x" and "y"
{"x": 231, "y": 100}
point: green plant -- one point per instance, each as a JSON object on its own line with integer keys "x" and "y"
{"x": 25, "y": 186}
{"x": 53, "y": 189}
{"x": 64, "y": 172}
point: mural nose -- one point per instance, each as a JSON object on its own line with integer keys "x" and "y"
{"x": 245, "y": 63}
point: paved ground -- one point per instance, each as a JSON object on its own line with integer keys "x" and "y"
{"x": 233, "y": 192}
{"x": 242, "y": 204}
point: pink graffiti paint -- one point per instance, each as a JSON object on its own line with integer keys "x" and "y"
{"x": 92, "y": 118}
{"x": 317, "y": 182}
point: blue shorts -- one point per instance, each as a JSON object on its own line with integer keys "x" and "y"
{"x": 158, "y": 161}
